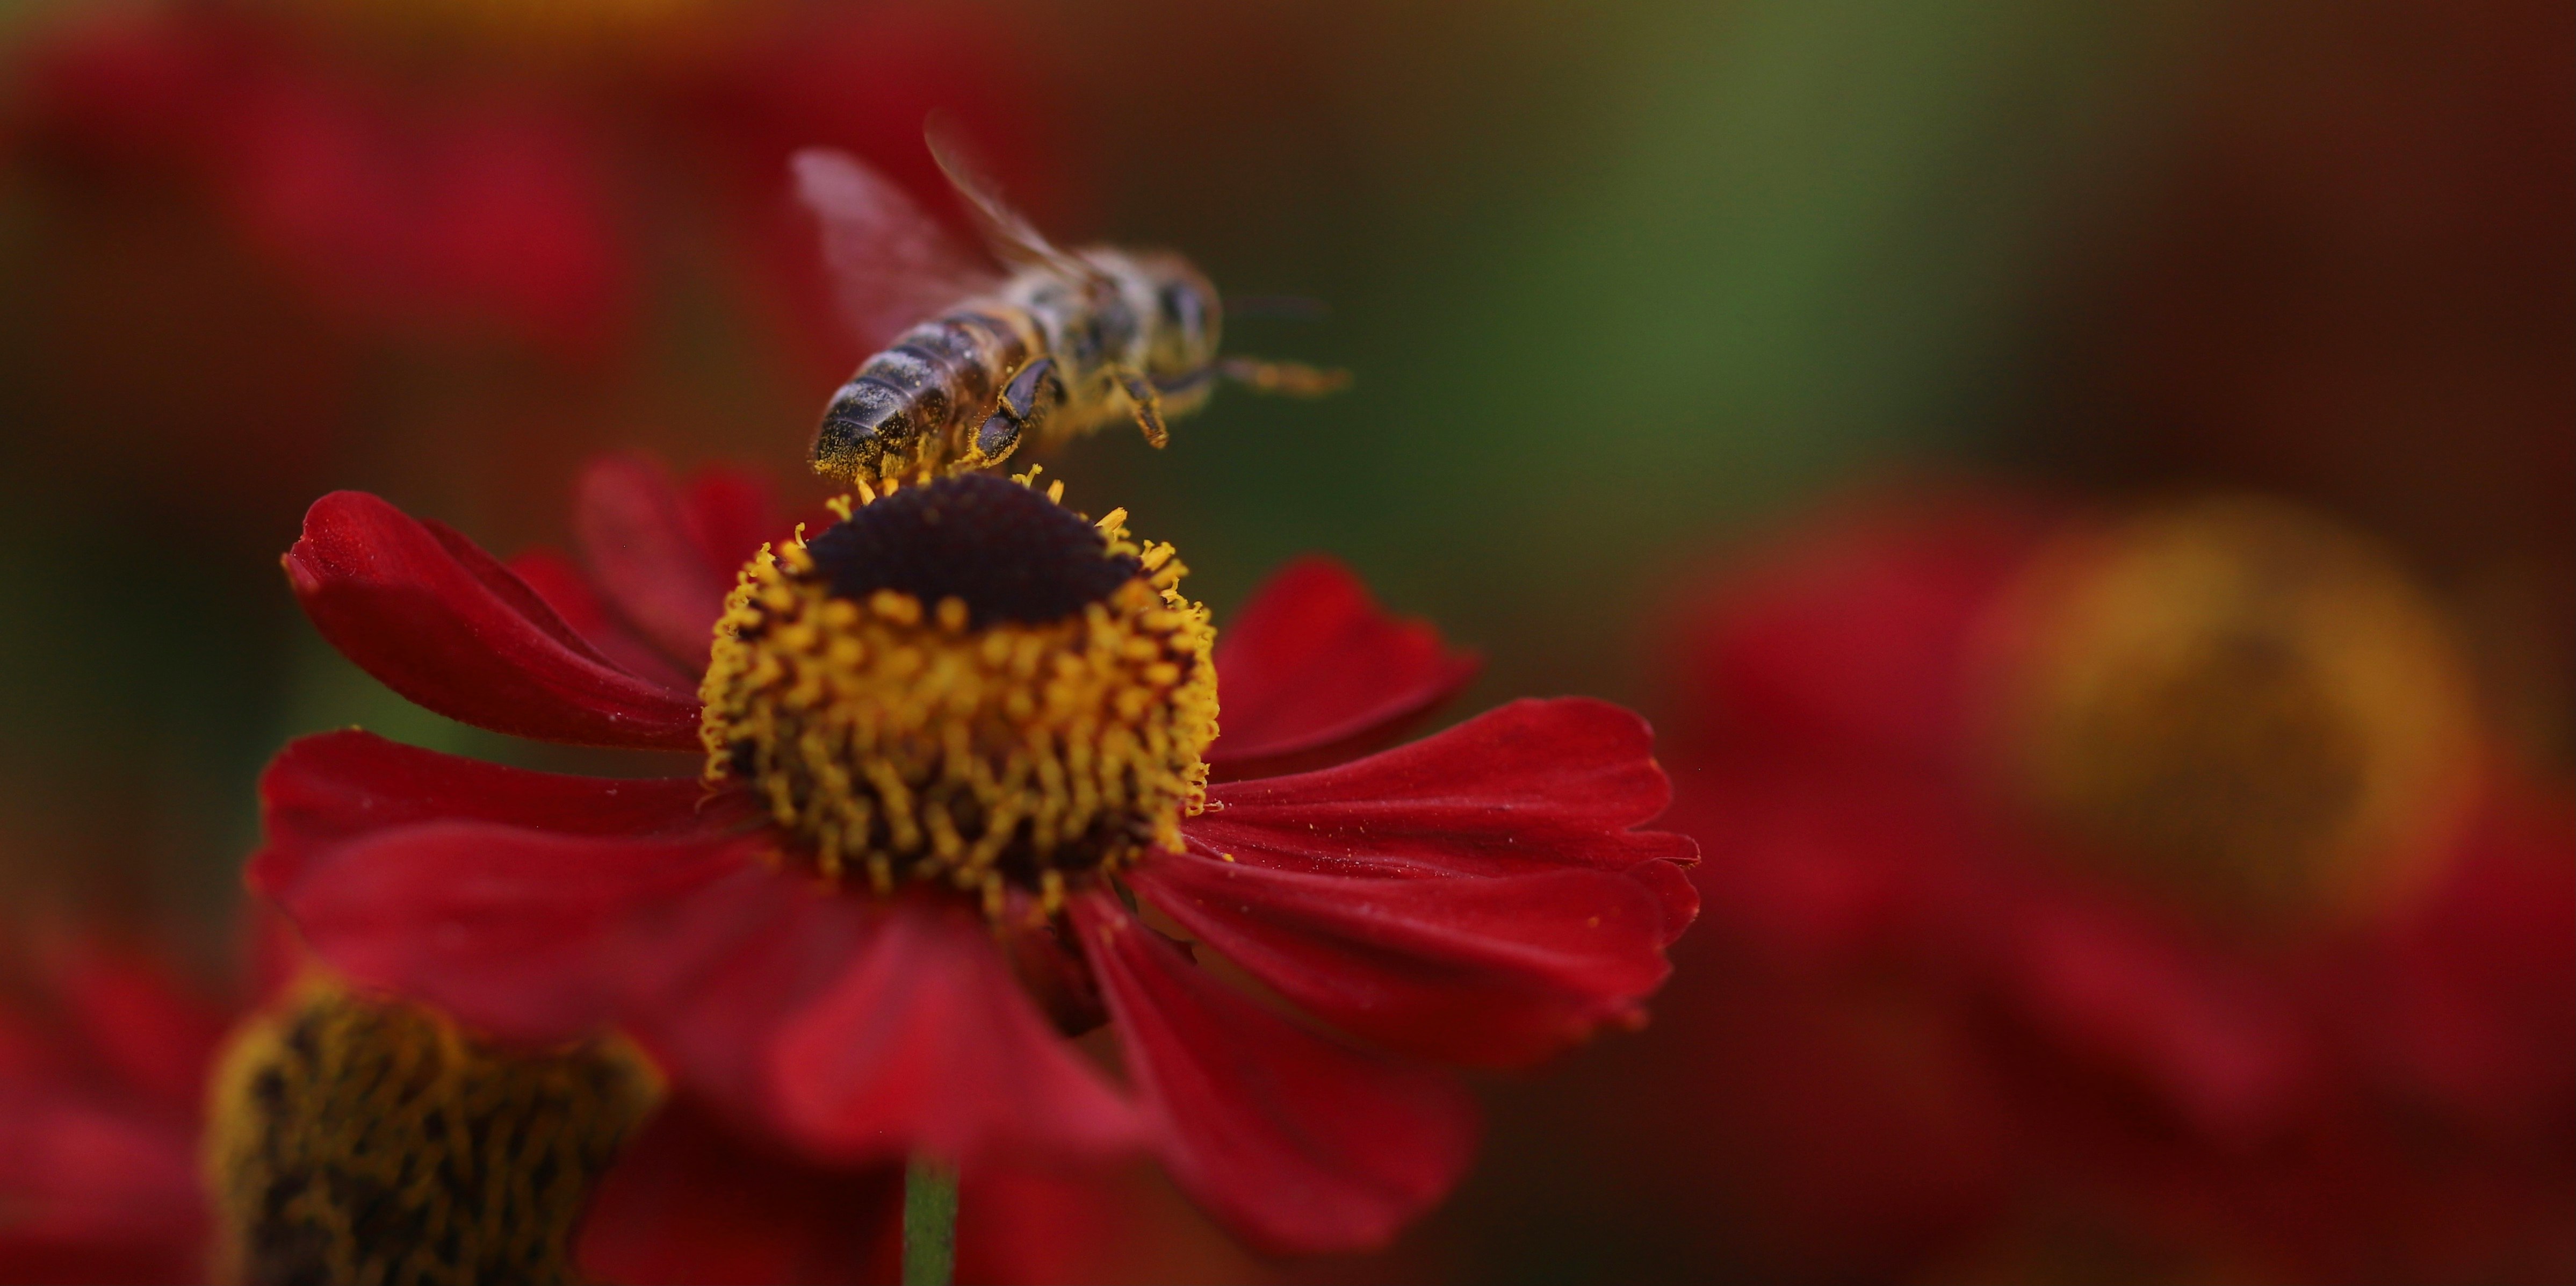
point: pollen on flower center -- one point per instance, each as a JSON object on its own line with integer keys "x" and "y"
{"x": 965, "y": 682}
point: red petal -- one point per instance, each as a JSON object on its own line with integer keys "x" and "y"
{"x": 1050, "y": 968}
{"x": 1852, "y": 636}
{"x": 1868, "y": 1119}
{"x": 326, "y": 790}
{"x": 530, "y": 935}
{"x": 692, "y": 1200}
{"x": 567, "y": 589}
{"x": 540, "y": 907}
{"x": 1096, "y": 1224}
{"x": 95, "y": 1194}
{"x": 739, "y": 961}
{"x": 440, "y": 622}
{"x": 704, "y": 969}
{"x": 2215, "y": 1041}
{"x": 1673, "y": 892}
{"x": 146, "y": 1029}
{"x": 99, "y": 1106}
{"x": 774, "y": 1217}
{"x": 1494, "y": 971}
{"x": 1837, "y": 864}
{"x": 1530, "y": 786}
{"x": 730, "y": 516}
{"x": 1301, "y": 1144}
{"x": 1311, "y": 671}
{"x": 2467, "y": 999}
{"x": 325, "y": 794}
{"x": 640, "y": 542}
{"x": 926, "y": 1043}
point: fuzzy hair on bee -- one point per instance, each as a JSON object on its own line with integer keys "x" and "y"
{"x": 981, "y": 358}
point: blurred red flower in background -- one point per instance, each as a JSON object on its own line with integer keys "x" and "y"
{"x": 2121, "y": 895}
{"x": 1476, "y": 897}
{"x": 491, "y": 173}
{"x": 491, "y": 205}
{"x": 103, "y": 1057}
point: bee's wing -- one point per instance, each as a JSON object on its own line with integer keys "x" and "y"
{"x": 1012, "y": 238}
{"x": 892, "y": 264}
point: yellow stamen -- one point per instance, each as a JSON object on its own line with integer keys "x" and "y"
{"x": 1001, "y": 758}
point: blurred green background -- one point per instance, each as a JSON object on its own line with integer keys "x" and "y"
{"x": 1619, "y": 283}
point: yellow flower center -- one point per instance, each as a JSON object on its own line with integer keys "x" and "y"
{"x": 965, "y": 682}
{"x": 356, "y": 1141}
{"x": 2244, "y": 704}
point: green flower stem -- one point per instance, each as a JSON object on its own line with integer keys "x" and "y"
{"x": 929, "y": 1223}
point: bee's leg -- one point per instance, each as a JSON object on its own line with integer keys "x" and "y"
{"x": 1023, "y": 408}
{"x": 1295, "y": 379}
{"x": 1149, "y": 404}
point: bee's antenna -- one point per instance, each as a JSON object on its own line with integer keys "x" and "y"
{"x": 1284, "y": 307}
{"x": 1295, "y": 379}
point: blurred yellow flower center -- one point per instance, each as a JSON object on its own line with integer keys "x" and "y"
{"x": 355, "y": 1141}
{"x": 963, "y": 681}
{"x": 2242, "y": 703}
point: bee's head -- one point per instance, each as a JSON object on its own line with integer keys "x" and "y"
{"x": 1186, "y": 315}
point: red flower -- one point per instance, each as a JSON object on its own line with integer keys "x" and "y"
{"x": 2150, "y": 874}
{"x": 103, "y": 1059}
{"x": 487, "y": 205}
{"x": 490, "y": 176}
{"x": 1476, "y": 897}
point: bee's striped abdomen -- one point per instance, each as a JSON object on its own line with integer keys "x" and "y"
{"x": 916, "y": 404}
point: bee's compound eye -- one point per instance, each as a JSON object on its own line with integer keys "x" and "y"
{"x": 1183, "y": 308}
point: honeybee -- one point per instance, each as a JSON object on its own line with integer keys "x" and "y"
{"x": 1036, "y": 345}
